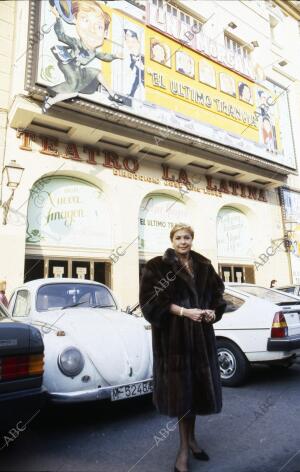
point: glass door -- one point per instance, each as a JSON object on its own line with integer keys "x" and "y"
{"x": 81, "y": 270}
{"x": 38, "y": 268}
{"x": 236, "y": 273}
{"x": 226, "y": 273}
{"x": 58, "y": 268}
{"x": 33, "y": 269}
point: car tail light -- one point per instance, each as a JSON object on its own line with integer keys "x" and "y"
{"x": 16, "y": 367}
{"x": 279, "y": 326}
{"x": 36, "y": 364}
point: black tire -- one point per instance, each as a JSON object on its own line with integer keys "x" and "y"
{"x": 234, "y": 366}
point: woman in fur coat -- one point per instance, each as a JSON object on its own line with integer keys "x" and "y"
{"x": 181, "y": 296}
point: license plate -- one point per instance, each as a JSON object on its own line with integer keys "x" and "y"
{"x": 133, "y": 390}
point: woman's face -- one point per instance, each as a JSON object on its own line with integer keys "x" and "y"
{"x": 182, "y": 241}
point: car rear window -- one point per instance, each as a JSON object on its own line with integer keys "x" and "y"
{"x": 266, "y": 293}
{"x": 233, "y": 303}
{"x": 287, "y": 289}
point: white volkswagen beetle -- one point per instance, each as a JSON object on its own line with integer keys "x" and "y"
{"x": 93, "y": 350}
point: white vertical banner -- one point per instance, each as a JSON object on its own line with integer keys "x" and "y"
{"x": 291, "y": 208}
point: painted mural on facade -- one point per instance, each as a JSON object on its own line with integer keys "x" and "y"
{"x": 94, "y": 50}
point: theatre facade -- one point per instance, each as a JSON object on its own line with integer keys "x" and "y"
{"x": 170, "y": 129}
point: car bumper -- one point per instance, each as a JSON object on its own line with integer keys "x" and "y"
{"x": 290, "y": 343}
{"x": 21, "y": 407}
{"x": 87, "y": 395}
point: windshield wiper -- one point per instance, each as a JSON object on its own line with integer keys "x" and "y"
{"x": 102, "y": 306}
{"x": 73, "y": 305}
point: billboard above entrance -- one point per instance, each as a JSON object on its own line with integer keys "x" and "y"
{"x": 97, "y": 52}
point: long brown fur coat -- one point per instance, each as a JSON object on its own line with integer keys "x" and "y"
{"x": 185, "y": 366}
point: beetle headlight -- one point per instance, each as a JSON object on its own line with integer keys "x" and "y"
{"x": 71, "y": 362}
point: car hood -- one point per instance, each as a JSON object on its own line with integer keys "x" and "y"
{"x": 115, "y": 342}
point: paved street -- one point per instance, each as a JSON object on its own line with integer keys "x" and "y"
{"x": 257, "y": 431}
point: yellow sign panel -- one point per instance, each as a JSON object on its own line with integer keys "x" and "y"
{"x": 186, "y": 82}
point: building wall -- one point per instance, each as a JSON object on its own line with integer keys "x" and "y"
{"x": 253, "y": 23}
{"x": 7, "y": 16}
{"x": 265, "y": 223}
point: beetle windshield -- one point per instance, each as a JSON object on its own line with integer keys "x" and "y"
{"x": 63, "y": 295}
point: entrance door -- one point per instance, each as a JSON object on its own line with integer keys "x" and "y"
{"x": 236, "y": 273}
{"x": 81, "y": 270}
{"x": 58, "y": 268}
{"x": 34, "y": 269}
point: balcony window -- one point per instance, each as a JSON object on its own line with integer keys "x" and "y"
{"x": 173, "y": 21}
{"x": 236, "y": 47}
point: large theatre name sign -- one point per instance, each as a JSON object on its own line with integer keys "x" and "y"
{"x": 198, "y": 88}
{"x": 128, "y": 167}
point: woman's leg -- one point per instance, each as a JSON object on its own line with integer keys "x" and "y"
{"x": 183, "y": 453}
{"x": 191, "y": 434}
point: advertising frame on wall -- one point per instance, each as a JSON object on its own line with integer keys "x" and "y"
{"x": 168, "y": 91}
{"x": 68, "y": 212}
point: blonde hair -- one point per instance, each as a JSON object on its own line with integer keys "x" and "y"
{"x": 180, "y": 226}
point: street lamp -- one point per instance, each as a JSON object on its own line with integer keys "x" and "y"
{"x": 13, "y": 172}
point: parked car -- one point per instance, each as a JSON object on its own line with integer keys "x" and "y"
{"x": 21, "y": 372}
{"x": 291, "y": 289}
{"x": 260, "y": 325}
{"x": 93, "y": 350}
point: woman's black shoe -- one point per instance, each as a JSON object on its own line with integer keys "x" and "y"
{"x": 201, "y": 456}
